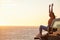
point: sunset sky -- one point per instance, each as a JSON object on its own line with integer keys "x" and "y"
{"x": 26, "y": 12}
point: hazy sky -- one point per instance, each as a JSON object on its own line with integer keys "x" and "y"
{"x": 26, "y": 12}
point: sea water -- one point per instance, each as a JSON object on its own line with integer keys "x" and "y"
{"x": 18, "y": 33}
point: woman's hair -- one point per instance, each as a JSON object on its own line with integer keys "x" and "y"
{"x": 52, "y": 15}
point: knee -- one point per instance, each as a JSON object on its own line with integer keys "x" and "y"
{"x": 40, "y": 27}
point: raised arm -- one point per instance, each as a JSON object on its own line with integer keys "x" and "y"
{"x": 49, "y": 8}
{"x": 52, "y": 7}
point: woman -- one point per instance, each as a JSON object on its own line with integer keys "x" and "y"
{"x": 52, "y": 17}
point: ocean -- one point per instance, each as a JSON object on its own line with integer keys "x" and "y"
{"x": 18, "y": 33}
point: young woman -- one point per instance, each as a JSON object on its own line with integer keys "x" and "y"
{"x": 52, "y": 17}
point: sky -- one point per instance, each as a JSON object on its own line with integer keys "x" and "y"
{"x": 26, "y": 12}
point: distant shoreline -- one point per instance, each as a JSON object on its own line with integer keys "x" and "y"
{"x": 18, "y": 27}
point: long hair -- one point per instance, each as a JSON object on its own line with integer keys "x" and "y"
{"x": 52, "y": 15}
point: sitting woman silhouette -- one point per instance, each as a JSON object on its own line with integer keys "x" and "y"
{"x": 52, "y": 17}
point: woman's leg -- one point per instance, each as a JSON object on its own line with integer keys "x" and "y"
{"x": 42, "y": 28}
